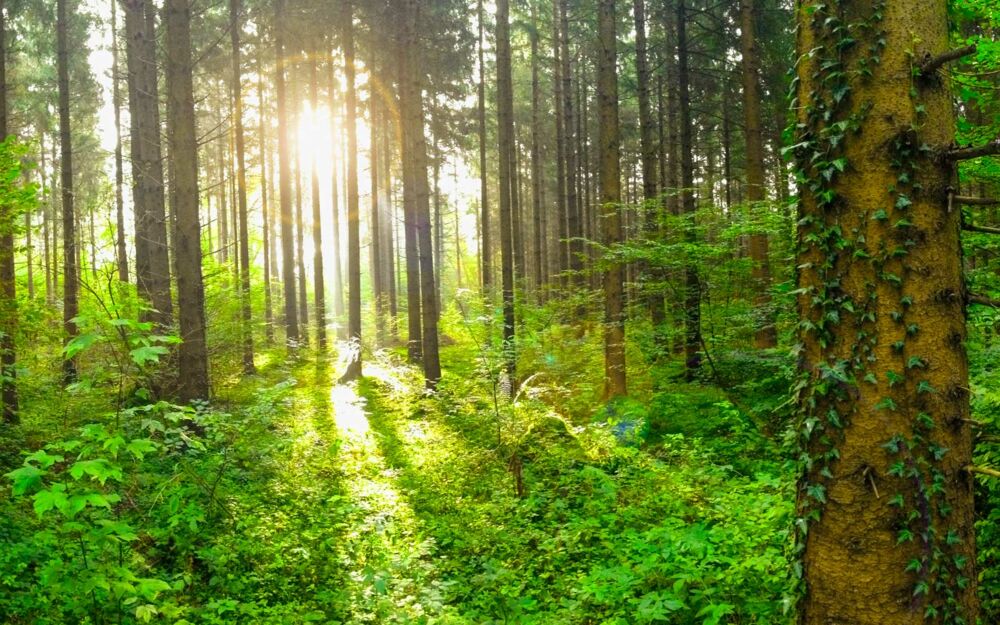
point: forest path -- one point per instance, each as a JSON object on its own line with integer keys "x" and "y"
{"x": 392, "y": 575}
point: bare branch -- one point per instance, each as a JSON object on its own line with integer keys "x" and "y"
{"x": 971, "y": 468}
{"x": 975, "y": 201}
{"x": 932, "y": 64}
{"x": 964, "y": 154}
{"x": 982, "y": 300}
{"x": 983, "y": 229}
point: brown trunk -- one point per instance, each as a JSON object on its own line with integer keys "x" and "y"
{"x": 246, "y": 314}
{"x": 610, "y": 180}
{"x": 265, "y": 210}
{"x": 886, "y": 515}
{"x": 505, "y": 131}
{"x": 338, "y": 284}
{"x": 319, "y": 282}
{"x": 574, "y": 230}
{"x": 121, "y": 250}
{"x": 389, "y": 226}
{"x": 71, "y": 269}
{"x": 765, "y": 334}
{"x": 183, "y": 142}
{"x": 285, "y": 183}
{"x": 353, "y": 217}
{"x": 561, "y": 257}
{"x": 300, "y": 223}
{"x": 8, "y": 289}
{"x": 540, "y": 273}
{"x": 378, "y": 275}
{"x": 152, "y": 260}
{"x": 692, "y": 282}
{"x": 486, "y": 247}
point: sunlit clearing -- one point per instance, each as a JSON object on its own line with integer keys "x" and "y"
{"x": 348, "y": 410}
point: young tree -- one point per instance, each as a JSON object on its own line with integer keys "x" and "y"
{"x": 610, "y": 174}
{"x": 505, "y": 132}
{"x": 885, "y": 501}
{"x": 183, "y": 142}
{"x": 246, "y": 314}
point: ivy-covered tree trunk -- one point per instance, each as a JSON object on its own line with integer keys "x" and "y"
{"x": 885, "y": 500}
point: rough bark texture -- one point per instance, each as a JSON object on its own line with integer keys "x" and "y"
{"x": 610, "y": 180}
{"x": 152, "y": 260}
{"x": 561, "y": 255}
{"x": 574, "y": 227}
{"x": 121, "y": 250}
{"x": 246, "y": 314}
{"x": 486, "y": 246}
{"x": 71, "y": 266}
{"x": 765, "y": 334}
{"x": 692, "y": 282}
{"x": 505, "y": 132}
{"x": 884, "y": 397}
{"x": 285, "y": 183}
{"x": 193, "y": 355}
{"x": 540, "y": 273}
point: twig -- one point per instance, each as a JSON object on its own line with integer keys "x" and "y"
{"x": 932, "y": 64}
{"x": 971, "y": 468}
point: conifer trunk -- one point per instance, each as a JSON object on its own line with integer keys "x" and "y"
{"x": 8, "y": 289}
{"x": 291, "y": 315}
{"x": 71, "y": 267}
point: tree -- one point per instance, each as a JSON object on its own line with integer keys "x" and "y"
{"x": 285, "y": 182}
{"x": 121, "y": 250}
{"x": 235, "y": 26}
{"x": 152, "y": 262}
{"x": 319, "y": 282}
{"x": 765, "y": 334}
{"x": 71, "y": 267}
{"x": 8, "y": 285}
{"x": 884, "y": 399}
{"x": 505, "y": 132}
{"x": 193, "y": 355}
{"x": 353, "y": 202}
{"x": 486, "y": 248}
{"x": 610, "y": 174}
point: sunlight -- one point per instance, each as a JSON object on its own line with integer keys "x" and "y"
{"x": 314, "y": 138}
{"x": 348, "y": 410}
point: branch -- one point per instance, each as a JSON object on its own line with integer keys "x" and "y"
{"x": 964, "y": 154}
{"x": 971, "y": 468}
{"x": 983, "y": 229}
{"x": 984, "y": 301}
{"x": 975, "y": 201}
{"x": 933, "y": 64}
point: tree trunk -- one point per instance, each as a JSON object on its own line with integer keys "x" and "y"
{"x": 353, "y": 209}
{"x": 540, "y": 273}
{"x": 610, "y": 174}
{"x": 505, "y": 131}
{"x": 561, "y": 234}
{"x": 692, "y": 282}
{"x": 8, "y": 289}
{"x": 121, "y": 250}
{"x": 765, "y": 334}
{"x": 486, "y": 246}
{"x": 285, "y": 183}
{"x": 246, "y": 314}
{"x": 71, "y": 268}
{"x": 574, "y": 230}
{"x": 885, "y": 500}
{"x": 338, "y": 283}
{"x": 389, "y": 225}
{"x": 300, "y": 222}
{"x": 319, "y": 282}
{"x": 378, "y": 275}
{"x": 152, "y": 259}
{"x": 265, "y": 210}
{"x": 183, "y": 142}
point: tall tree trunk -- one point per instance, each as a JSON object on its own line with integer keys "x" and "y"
{"x": 265, "y": 209}
{"x": 540, "y": 274}
{"x": 486, "y": 246}
{"x": 389, "y": 225}
{"x": 561, "y": 233}
{"x": 607, "y": 103}
{"x": 378, "y": 275}
{"x": 71, "y": 268}
{"x": 235, "y": 26}
{"x": 152, "y": 259}
{"x": 338, "y": 283}
{"x": 765, "y": 334}
{"x": 438, "y": 225}
{"x": 353, "y": 202}
{"x": 884, "y": 395}
{"x": 300, "y": 222}
{"x": 8, "y": 289}
{"x": 574, "y": 229}
{"x": 121, "y": 250}
{"x": 414, "y": 340}
{"x": 47, "y": 216}
{"x": 183, "y": 142}
{"x": 319, "y": 282}
{"x": 505, "y": 131}
{"x": 692, "y": 281}
{"x": 285, "y": 182}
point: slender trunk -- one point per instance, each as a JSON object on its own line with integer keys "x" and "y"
{"x": 505, "y": 131}
{"x": 610, "y": 175}
{"x": 246, "y": 314}
{"x": 121, "y": 250}
{"x": 765, "y": 335}
{"x": 265, "y": 210}
{"x": 353, "y": 208}
{"x": 47, "y": 216}
{"x": 319, "y": 282}
{"x": 485, "y": 243}
{"x": 559, "y": 229}
{"x": 378, "y": 287}
{"x": 71, "y": 269}
{"x": 300, "y": 222}
{"x": 285, "y": 183}
{"x": 338, "y": 284}
{"x": 389, "y": 226}
{"x": 413, "y": 305}
{"x": 183, "y": 143}
{"x": 438, "y": 226}
{"x": 574, "y": 229}
{"x": 692, "y": 281}
{"x": 536, "y": 157}
{"x": 8, "y": 289}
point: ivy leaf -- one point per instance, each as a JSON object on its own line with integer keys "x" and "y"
{"x": 903, "y": 201}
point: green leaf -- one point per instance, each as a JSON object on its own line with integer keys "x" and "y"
{"x": 147, "y": 354}
{"x": 46, "y": 500}
{"x": 26, "y": 478}
{"x": 141, "y": 446}
{"x": 80, "y": 343}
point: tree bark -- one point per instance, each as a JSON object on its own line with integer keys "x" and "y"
{"x": 71, "y": 268}
{"x": 885, "y": 501}
{"x": 285, "y": 183}
{"x": 505, "y": 132}
{"x": 353, "y": 217}
{"x": 540, "y": 273}
{"x": 765, "y": 333}
{"x": 319, "y": 281}
{"x": 338, "y": 283}
{"x": 486, "y": 246}
{"x": 265, "y": 209}
{"x": 121, "y": 250}
{"x": 8, "y": 284}
{"x": 574, "y": 229}
{"x": 183, "y": 142}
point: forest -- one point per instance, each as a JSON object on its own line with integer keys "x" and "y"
{"x": 495, "y": 312}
